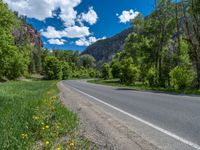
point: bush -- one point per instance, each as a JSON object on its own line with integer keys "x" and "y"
{"x": 105, "y": 71}
{"x": 66, "y": 70}
{"x": 87, "y": 61}
{"x": 115, "y": 69}
{"x": 151, "y": 77}
{"x": 180, "y": 78}
{"x": 53, "y": 68}
{"x": 129, "y": 72}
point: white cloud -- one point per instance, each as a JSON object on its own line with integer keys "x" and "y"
{"x": 51, "y": 32}
{"x": 127, "y": 16}
{"x": 42, "y": 9}
{"x": 69, "y": 32}
{"x": 77, "y": 32}
{"x": 86, "y": 42}
{"x": 90, "y": 17}
{"x": 56, "y": 41}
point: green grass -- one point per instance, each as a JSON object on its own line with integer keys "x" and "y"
{"x": 32, "y": 117}
{"x": 141, "y": 86}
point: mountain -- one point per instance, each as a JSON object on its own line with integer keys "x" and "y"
{"x": 104, "y": 50}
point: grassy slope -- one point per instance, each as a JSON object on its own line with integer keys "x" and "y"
{"x": 32, "y": 117}
{"x": 140, "y": 86}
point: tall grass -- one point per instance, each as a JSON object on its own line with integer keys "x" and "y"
{"x": 31, "y": 116}
{"x": 142, "y": 86}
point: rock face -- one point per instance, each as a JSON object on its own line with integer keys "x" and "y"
{"x": 26, "y": 33}
{"x": 104, "y": 50}
{"x": 34, "y": 35}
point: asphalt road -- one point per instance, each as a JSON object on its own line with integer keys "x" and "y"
{"x": 179, "y": 114}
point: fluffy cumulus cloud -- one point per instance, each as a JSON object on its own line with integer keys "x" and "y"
{"x": 127, "y": 16}
{"x": 69, "y": 32}
{"x": 87, "y": 41}
{"x": 91, "y": 16}
{"x": 42, "y": 9}
{"x": 56, "y": 41}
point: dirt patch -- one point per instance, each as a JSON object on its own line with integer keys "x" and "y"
{"x": 100, "y": 127}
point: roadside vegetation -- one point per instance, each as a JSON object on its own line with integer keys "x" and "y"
{"x": 163, "y": 51}
{"x": 22, "y": 53}
{"x": 141, "y": 86}
{"x": 32, "y": 117}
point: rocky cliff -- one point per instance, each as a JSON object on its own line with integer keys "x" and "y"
{"x": 104, "y": 50}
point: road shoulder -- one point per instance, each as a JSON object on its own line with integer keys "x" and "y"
{"x": 99, "y": 126}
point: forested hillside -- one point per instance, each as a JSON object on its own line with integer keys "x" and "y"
{"x": 20, "y": 46}
{"x": 163, "y": 50}
{"x": 22, "y": 53}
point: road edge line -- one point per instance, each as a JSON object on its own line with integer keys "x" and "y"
{"x": 196, "y": 146}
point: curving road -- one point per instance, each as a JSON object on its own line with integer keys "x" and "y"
{"x": 177, "y": 114}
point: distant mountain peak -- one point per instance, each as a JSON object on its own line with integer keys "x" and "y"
{"x": 104, "y": 50}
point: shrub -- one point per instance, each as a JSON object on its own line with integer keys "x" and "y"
{"x": 53, "y": 68}
{"x": 180, "y": 78}
{"x": 106, "y": 71}
{"x": 87, "y": 61}
{"x": 115, "y": 69}
{"x": 66, "y": 70}
{"x": 151, "y": 77}
{"x": 128, "y": 72}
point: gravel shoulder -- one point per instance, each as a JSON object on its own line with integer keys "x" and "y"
{"x": 99, "y": 126}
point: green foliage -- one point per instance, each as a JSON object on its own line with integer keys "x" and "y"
{"x": 17, "y": 66}
{"x": 32, "y": 113}
{"x": 106, "y": 74}
{"x": 115, "y": 68}
{"x": 14, "y": 59}
{"x": 129, "y": 72}
{"x": 180, "y": 78}
{"x": 53, "y": 68}
{"x": 67, "y": 72}
{"x": 159, "y": 41}
{"x": 151, "y": 77}
{"x": 87, "y": 61}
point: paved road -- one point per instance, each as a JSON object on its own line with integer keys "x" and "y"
{"x": 178, "y": 114}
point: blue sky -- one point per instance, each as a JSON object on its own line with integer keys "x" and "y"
{"x": 75, "y": 24}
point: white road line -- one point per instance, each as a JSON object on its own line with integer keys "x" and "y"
{"x": 196, "y": 146}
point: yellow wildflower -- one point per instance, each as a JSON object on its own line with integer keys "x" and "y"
{"x": 24, "y": 135}
{"x": 47, "y": 142}
{"x": 47, "y": 127}
{"x": 36, "y": 117}
{"x": 58, "y": 148}
{"x": 54, "y": 97}
{"x": 43, "y": 128}
{"x": 71, "y": 144}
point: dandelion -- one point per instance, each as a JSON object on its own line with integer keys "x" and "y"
{"x": 54, "y": 97}
{"x": 47, "y": 142}
{"x": 24, "y": 136}
{"x": 36, "y": 117}
{"x": 58, "y": 148}
{"x": 47, "y": 127}
{"x": 71, "y": 145}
